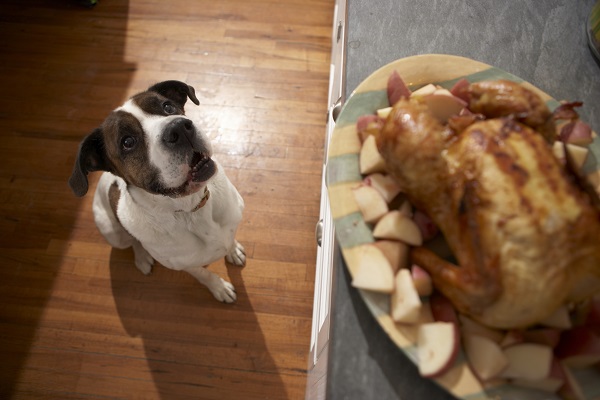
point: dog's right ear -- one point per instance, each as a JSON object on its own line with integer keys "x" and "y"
{"x": 176, "y": 91}
{"x": 91, "y": 157}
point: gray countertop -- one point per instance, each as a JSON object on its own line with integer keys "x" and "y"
{"x": 542, "y": 41}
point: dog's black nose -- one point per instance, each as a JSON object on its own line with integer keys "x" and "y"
{"x": 179, "y": 131}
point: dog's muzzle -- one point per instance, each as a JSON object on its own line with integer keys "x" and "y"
{"x": 180, "y": 136}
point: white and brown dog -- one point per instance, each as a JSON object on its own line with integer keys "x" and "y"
{"x": 162, "y": 193}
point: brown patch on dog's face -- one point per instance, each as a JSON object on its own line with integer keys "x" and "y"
{"x": 127, "y": 149}
{"x": 154, "y": 104}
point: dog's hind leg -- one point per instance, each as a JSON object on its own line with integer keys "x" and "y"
{"x": 119, "y": 238}
{"x": 220, "y": 288}
{"x": 108, "y": 224}
{"x": 111, "y": 228}
{"x": 104, "y": 213}
{"x": 143, "y": 259}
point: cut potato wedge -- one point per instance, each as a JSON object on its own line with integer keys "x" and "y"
{"x": 529, "y": 361}
{"x": 370, "y": 159}
{"x": 370, "y": 203}
{"x": 395, "y": 225}
{"x": 437, "y": 348}
{"x": 405, "y": 301}
{"x": 485, "y": 356}
{"x": 373, "y": 271}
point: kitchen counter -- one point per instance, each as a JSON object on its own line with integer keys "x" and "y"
{"x": 543, "y": 42}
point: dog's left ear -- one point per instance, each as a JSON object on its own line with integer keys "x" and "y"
{"x": 91, "y": 157}
{"x": 176, "y": 91}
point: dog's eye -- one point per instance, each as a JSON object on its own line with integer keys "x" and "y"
{"x": 128, "y": 142}
{"x": 169, "y": 108}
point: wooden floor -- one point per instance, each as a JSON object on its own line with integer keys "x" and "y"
{"x": 77, "y": 319}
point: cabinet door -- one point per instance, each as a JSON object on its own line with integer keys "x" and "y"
{"x": 327, "y": 251}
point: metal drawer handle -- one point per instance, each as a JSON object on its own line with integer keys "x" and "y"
{"x": 319, "y": 232}
{"x": 335, "y": 111}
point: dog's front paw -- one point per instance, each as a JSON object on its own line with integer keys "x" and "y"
{"x": 237, "y": 256}
{"x": 223, "y": 291}
{"x": 143, "y": 259}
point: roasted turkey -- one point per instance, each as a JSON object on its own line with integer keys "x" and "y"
{"x": 524, "y": 233}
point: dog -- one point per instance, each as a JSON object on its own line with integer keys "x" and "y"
{"x": 161, "y": 191}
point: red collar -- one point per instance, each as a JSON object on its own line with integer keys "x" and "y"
{"x": 202, "y": 202}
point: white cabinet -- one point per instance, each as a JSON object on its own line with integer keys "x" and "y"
{"x": 327, "y": 251}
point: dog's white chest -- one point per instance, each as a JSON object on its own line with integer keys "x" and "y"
{"x": 180, "y": 239}
{"x": 184, "y": 240}
{"x": 193, "y": 239}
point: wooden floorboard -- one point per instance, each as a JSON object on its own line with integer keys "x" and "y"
{"x": 77, "y": 319}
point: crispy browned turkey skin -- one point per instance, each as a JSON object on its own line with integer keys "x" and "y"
{"x": 525, "y": 236}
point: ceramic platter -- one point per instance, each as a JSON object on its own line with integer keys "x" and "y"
{"x": 352, "y": 232}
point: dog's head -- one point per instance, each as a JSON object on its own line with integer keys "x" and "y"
{"x": 150, "y": 143}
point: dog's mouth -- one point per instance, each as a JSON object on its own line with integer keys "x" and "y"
{"x": 202, "y": 168}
